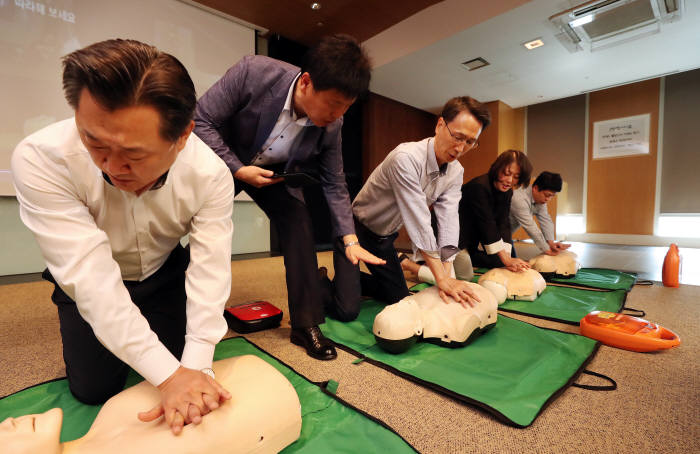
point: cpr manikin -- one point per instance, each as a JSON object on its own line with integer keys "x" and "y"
{"x": 263, "y": 415}
{"x": 524, "y": 285}
{"x": 563, "y": 264}
{"x": 426, "y": 316}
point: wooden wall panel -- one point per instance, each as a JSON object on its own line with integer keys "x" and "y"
{"x": 477, "y": 162}
{"x": 621, "y": 190}
{"x": 556, "y": 133}
{"x": 387, "y": 123}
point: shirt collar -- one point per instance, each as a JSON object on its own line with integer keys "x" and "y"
{"x": 157, "y": 185}
{"x": 289, "y": 108}
{"x": 431, "y": 163}
{"x": 528, "y": 191}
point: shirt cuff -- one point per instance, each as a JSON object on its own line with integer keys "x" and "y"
{"x": 495, "y": 248}
{"x": 157, "y": 365}
{"x": 197, "y": 355}
{"x": 448, "y": 253}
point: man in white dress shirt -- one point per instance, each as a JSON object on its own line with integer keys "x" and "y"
{"x": 108, "y": 195}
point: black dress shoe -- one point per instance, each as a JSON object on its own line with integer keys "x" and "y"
{"x": 316, "y": 344}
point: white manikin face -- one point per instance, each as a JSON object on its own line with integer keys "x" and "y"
{"x": 525, "y": 285}
{"x": 563, "y": 264}
{"x": 427, "y": 314}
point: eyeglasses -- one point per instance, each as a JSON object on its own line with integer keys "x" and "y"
{"x": 468, "y": 141}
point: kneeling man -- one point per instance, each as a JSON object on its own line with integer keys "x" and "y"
{"x": 399, "y": 192}
{"x": 108, "y": 195}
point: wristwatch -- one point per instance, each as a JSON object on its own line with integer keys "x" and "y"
{"x": 352, "y": 243}
{"x": 209, "y": 371}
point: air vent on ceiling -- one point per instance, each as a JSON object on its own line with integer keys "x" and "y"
{"x": 603, "y": 23}
{"x": 475, "y": 63}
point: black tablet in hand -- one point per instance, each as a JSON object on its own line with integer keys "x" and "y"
{"x": 296, "y": 179}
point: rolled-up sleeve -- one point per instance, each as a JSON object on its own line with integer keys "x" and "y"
{"x": 446, "y": 209}
{"x": 404, "y": 176}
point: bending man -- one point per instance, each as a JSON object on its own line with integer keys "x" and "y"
{"x": 265, "y": 116}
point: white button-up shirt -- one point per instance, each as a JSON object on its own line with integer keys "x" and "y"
{"x": 94, "y": 235}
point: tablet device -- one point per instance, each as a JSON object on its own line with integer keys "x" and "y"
{"x": 296, "y": 179}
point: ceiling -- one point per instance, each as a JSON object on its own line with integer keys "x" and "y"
{"x": 417, "y": 46}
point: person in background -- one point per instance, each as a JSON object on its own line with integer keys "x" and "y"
{"x": 532, "y": 201}
{"x": 484, "y": 212}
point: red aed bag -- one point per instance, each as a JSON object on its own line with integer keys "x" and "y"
{"x": 251, "y": 317}
{"x": 627, "y": 332}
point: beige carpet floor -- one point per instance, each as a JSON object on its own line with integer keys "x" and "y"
{"x": 656, "y": 407}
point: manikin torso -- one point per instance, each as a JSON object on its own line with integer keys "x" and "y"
{"x": 263, "y": 415}
{"x": 426, "y": 314}
{"x": 563, "y": 264}
{"x": 505, "y": 284}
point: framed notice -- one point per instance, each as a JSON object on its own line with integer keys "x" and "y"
{"x": 626, "y": 136}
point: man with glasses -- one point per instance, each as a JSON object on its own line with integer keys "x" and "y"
{"x": 414, "y": 177}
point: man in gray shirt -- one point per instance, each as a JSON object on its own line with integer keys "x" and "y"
{"x": 532, "y": 201}
{"x": 400, "y": 192}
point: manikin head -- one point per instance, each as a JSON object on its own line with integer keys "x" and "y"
{"x": 334, "y": 73}
{"x": 461, "y": 122}
{"x": 564, "y": 264}
{"x": 424, "y": 315}
{"x": 133, "y": 108}
{"x": 511, "y": 169}
{"x": 505, "y": 284}
{"x": 546, "y": 186}
{"x": 31, "y": 434}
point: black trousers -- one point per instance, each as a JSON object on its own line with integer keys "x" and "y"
{"x": 94, "y": 373}
{"x": 342, "y": 296}
{"x": 481, "y": 259}
{"x": 292, "y": 221}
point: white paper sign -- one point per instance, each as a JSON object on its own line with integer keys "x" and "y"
{"x": 621, "y": 137}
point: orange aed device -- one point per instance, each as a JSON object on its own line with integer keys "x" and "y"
{"x": 627, "y": 332}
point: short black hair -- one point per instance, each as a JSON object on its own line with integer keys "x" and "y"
{"x": 507, "y": 158}
{"x": 338, "y": 62}
{"x": 548, "y": 181}
{"x": 458, "y": 104}
{"x": 122, "y": 73}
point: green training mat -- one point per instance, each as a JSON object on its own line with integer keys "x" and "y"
{"x": 569, "y": 305}
{"x": 327, "y": 424}
{"x": 512, "y": 371}
{"x": 601, "y": 278}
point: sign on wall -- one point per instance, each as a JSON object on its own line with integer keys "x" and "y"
{"x": 621, "y": 137}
